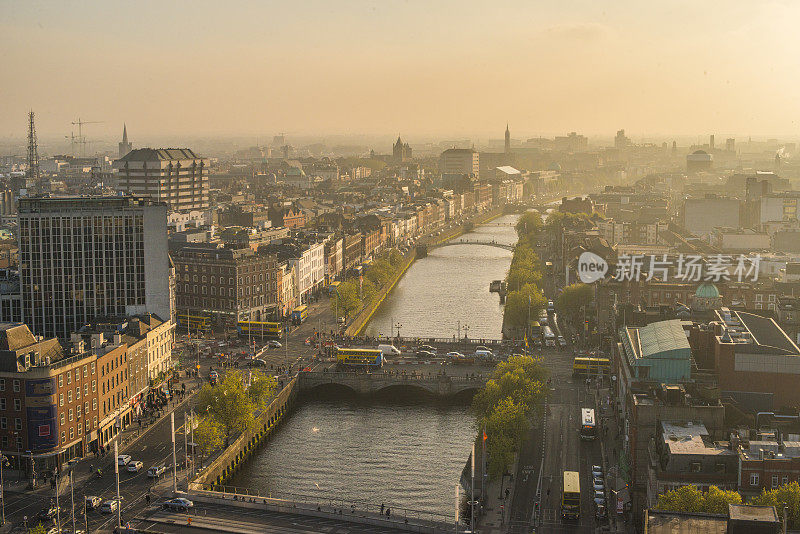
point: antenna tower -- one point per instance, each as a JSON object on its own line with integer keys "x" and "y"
{"x": 33, "y": 151}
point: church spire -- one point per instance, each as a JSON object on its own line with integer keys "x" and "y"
{"x": 508, "y": 140}
{"x": 124, "y": 134}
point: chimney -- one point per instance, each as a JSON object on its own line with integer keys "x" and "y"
{"x": 117, "y": 339}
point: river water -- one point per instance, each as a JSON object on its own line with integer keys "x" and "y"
{"x": 407, "y": 454}
{"x": 449, "y": 286}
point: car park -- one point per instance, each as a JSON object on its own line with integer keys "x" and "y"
{"x": 134, "y": 466}
{"x": 156, "y": 471}
{"x": 179, "y": 505}
{"x": 93, "y": 501}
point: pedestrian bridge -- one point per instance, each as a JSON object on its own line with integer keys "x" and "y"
{"x": 472, "y": 242}
{"x": 368, "y": 383}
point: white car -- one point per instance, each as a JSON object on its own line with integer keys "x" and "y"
{"x": 109, "y": 506}
{"x": 123, "y": 459}
{"x": 134, "y": 466}
{"x": 156, "y": 471}
{"x": 274, "y": 344}
{"x": 93, "y": 501}
{"x": 455, "y": 355}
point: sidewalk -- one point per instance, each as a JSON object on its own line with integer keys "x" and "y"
{"x": 610, "y": 447}
{"x": 496, "y": 510}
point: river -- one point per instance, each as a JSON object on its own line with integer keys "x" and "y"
{"x": 405, "y": 454}
{"x": 449, "y": 286}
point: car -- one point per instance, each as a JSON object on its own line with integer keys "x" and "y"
{"x": 256, "y": 362}
{"x": 427, "y": 348}
{"x": 109, "y": 506}
{"x": 50, "y": 512}
{"x": 599, "y": 498}
{"x": 425, "y": 354}
{"x": 123, "y": 459}
{"x": 156, "y": 471}
{"x": 537, "y": 342}
{"x": 600, "y": 513}
{"x": 274, "y": 344}
{"x": 598, "y": 485}
{"x": 482, "y": 347}
{"x": 596, "y": 475}
{"x": 179, "y": 505}
{"x": 597, "y": 471}
{"x": 134, "y": 466}
{"x": 561, "y": 341}
{"x": 454, "y": 355}
{"x": 93, "y": 501}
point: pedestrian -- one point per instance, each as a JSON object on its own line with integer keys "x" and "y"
{"x": 382, "y": 508}
{"x": 388, "y": 512}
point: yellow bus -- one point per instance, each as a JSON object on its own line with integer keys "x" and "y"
{"x": 260, "y": 329}
{"x": 300, "y": 314}
{"x": 571, "y": 496}
{"x": 194, "y": 323}
{"x": 359, "y": 357}
{"x": 584, "y": 365}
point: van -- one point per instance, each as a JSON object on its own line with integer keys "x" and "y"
{"x": 389, "y": 350}
{"x": 484, "y": 354}
{"x": 123, "y": 459}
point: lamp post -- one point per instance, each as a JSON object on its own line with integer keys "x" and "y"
{"x": 3, "y": 462}
{"x": 397, "y": 328}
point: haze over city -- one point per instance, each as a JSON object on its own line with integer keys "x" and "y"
{"x": 420, "y": 68}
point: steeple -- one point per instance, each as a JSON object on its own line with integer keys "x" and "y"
{"x": 124, "y": 134}
{"x": 508, "y": 140}
{"x": 124, "y": 146}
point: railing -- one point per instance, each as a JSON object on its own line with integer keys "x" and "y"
{"x": 338, "y": 506}
{"x": 398, "y": 375}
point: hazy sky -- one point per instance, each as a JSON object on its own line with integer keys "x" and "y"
{"x": 418, "y": 68}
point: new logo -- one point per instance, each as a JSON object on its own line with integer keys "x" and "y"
{"x": 591, "y": 267}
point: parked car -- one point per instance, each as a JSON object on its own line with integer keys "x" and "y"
{"x": 481, "y": 347}
{"x": 561, "y": 341}
{"x": 597, "y": 471}
{"x": 179, "y": 505}
{"x": 599, "y": 498}
{"x": 134, "y": 466}
{"x": 598, "y": 485}
{"x": 109, "y": 506}
{"x": 600, "y": 512}
{"x": 256, "y": 362}
{"x": 274, "y": 344}
{"x": 156, "y": 471}
{"x": 123, "y": 459}
{"x": 93, "y": 501}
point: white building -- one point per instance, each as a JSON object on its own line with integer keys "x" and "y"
{"x": 309, "y": 270}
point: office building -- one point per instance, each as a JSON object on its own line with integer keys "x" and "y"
{"x": 176, "y": 176}
{"x": 82, "y": 258}
{"x": 459, "y": 161}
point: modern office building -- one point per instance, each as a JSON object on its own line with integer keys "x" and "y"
{"x": 459, "y": 161}
{"x": 176, "y": 176}
{"x": 83, "y": 258}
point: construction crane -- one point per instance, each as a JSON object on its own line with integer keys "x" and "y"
{"x": 81, "y": 139}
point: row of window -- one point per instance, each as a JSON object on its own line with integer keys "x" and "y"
{"x": 755, "y": 480}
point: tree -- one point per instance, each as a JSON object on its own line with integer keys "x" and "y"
{"x": 786, "y": 495}
{"x": 520, "y": 378}
{"x": 345, "y": 301}
{"x": 262, "y": 387}
{"x": 209, "y": 436}
{"x": 519, "y": 276}
{"x": 528, "y": 227}
{"x": 229, "y": 404}
{"x": 573, "y": 298}
{"x": 523, "y": 305}
{"x": 691, "y": 499}
{"x": 505, "y": 427}
{"x": 38, "y": 529}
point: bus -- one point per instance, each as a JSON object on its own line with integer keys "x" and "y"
{"x": 194, "y": 323}
{"x": 549, "y": 336}
{"x": 300, "y": 314}
{"x": 588, "y": 424}
{"x": 588, "y": 366}
{"x": 571, "y": 496}
{"x": 333, "y": 287}
{"x": 260, "y": 329}
{"x": 366, "y": 358}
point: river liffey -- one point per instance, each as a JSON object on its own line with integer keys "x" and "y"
{"x": 406, "y": 455}
{"x": 451, "y": 286}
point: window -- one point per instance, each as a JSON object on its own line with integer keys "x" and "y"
{"x": 694, "y": 467}
{"x": 16, "y": 385}
{"x": 63, "y": 437}
{"x": 92, "y": 366}
{"x": 62, "y": 418}
{"x": 61, "y": 399}
{"x": 785, "y": 480}
{"x": 71, "y": 433}
{"x": 17, "y": 405}
{"x": 2, "y": 384}
{"x": 17, "y": 423}
{"x": 94, "y": 405}
{"x": 60, "y": 380}
{"x": 69, "y": 377}
{"x": 80, "y": 428}
{"x": 3, "y": 423}
{"x": 754, "y": 479}
{"x": 85, "y": 370}
{"x": 86, "y": 390}
{"x": 774, "y": 481}
{"x": 2, "y": 404}
{"x": 71, "y": 415}
{"x": 94, "y": 385}
{"x": 69, "y": 396}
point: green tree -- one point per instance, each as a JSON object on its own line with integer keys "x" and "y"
{"x": 38, "y": 529}
{"x": 691, "y": 499}
{"x": 519, "y": 276}
{"x": 209, "y": 436}
{"x": 505, "y": 427}
{"x": 520, "y": 378}
{"x": 345, "y": 300}
{"x": 522, "y": 305}
{"x": 262, "y": 387}
{"x": 229, "y": 403}
{"x": 573, "y": 298}
{"x": 528, "y": 227}
{"x": 716, "y": 500}
{"x": 786, "y": 495}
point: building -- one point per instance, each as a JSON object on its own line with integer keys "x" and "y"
{"x": 224, "y": 285}
{"x": 741, "y": 519}
{"x": 740, "y": 240}
{"x": 702, "y": 215}
{"x": 82, "y": 258}
{"x": 658, "y": 352}
{"x": 309, "y": 269}
{"x": 698, "y": 161}
{"x": 682, "y": 454}
{"x": 507, "y": 144}
{"x": 459, "y": 161}
{"x": 401, "y": 152}
{"x": 765, "y": 463}
{"x": 176, "y": 176}
{"x": 124, "y": 146}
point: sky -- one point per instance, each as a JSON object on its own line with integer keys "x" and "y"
{"x": 419, "y": 68}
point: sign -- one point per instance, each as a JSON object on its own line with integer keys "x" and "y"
{"x": 620, "y": 505}
{"x": 591, "y": 267}
{"x": 44, "y": 431}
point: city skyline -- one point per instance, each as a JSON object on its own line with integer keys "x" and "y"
{"x": 366, "y": 68}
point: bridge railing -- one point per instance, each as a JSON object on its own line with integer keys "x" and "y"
{"x": 394, "y": 375}
{"x": 342, "y": 508}
{"x": 508, "y": 343}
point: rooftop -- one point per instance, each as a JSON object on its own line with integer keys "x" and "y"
{"x": 743, "y": 512}
{"x": 761, "y": 333}
{"x": 160, "y": 154}
{"x": 658, "y": 522}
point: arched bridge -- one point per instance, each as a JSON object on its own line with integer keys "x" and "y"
{"x": 365, "y": 383}
{"x": 472, "y": 242}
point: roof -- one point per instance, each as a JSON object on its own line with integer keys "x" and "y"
{"x": 508, "y": 169}
{"x": 707, "y": 290}
{"x": 658, "y": 522}
{"x": 744, "y": 512}
{"x": 660, "y": 337}
{"x": 14, "y": 336}
{"x": 159, "y": 154}
{"x": 459, "y": 151}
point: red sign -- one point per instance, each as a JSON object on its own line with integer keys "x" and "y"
{"x": 44, "y": 431}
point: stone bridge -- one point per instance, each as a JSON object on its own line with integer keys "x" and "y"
{"x": 472, "y": 242}
{"x": 364, "y": 383}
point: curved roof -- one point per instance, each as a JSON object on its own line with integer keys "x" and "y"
{"x": 707, "y": 290}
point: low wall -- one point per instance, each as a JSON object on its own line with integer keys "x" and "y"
{"x": 237, "y": 452}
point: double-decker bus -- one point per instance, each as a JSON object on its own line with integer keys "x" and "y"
{"x": 194, "y": 323}
{"x": 300, "y": 314}
{"x": 571, "y": 496}
{"x": 587, "y": 366}
{"x": 365, "y": 358}
{"x": 260, "y": 329}
{"x": 588, "y": 424}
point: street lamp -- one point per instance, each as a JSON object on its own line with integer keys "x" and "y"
{"x": 397, "y": 327}
{"x": 3, "y": 462}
